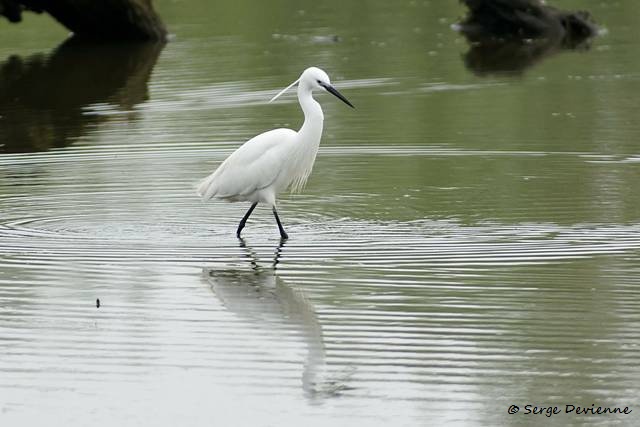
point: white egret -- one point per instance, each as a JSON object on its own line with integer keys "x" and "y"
{"x": 277, "y": 159}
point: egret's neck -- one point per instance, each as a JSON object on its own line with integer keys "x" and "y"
{"x": 303, "y": 155}
{"x": 313, "y": 117}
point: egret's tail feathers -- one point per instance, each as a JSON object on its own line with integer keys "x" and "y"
{"x": 206, "y": 188}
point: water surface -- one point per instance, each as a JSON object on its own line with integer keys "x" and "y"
{"x": 467, "y": 241}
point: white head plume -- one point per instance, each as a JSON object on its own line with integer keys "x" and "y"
{"x": 284, "y": 90}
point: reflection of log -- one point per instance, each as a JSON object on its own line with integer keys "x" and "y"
{"x": 509, "y": 57}
{"x": 96, "y": 19}
{"x": 43, "y": 100}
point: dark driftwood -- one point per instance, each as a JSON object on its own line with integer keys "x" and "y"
{"x": 525, "y": 19}
{"x": 95, "y": 19}
{"x": 509, "y": 36}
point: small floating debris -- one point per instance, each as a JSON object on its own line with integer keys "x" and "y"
{"x": 319, "y": 39}
{"x": 97, "y": 302}
{"x": 328, "y": 39}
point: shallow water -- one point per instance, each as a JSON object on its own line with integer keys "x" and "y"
{"x": 466, "y": 242}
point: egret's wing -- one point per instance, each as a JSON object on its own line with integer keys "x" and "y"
{"x": 255, "y": 165}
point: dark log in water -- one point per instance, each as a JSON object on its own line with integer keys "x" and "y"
{"x": 92, "y": 19}
{"x": 509, "y": 36}
{"x": 525, "y": 19}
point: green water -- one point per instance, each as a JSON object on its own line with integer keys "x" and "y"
{"x": 467, "y": 240}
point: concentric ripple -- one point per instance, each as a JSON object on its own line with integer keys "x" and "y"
{"x": 383, "y": 293}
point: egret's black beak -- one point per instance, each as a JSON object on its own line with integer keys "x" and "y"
{"x": 332, "y": 90}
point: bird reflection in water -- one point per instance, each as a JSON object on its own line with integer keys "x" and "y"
{"x": 510, "y": 36}
{"x": 260, "y": 296}
{"x": 45, "y": 100}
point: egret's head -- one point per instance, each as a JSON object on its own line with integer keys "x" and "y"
{"x": 315, "y": 78}
{"x": 318, "y": 79}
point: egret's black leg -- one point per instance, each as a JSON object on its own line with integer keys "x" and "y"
{"x": 283, "y": 234}
{"x": 244, "y": 219}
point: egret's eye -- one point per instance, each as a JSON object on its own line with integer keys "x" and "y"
{"x": 319, "y": 82}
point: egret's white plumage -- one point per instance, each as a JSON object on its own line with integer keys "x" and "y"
{"x": 273, "y": 161}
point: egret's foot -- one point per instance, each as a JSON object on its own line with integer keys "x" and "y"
{"x": 283, "y": 234}
{"x": 239, "y": 230}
